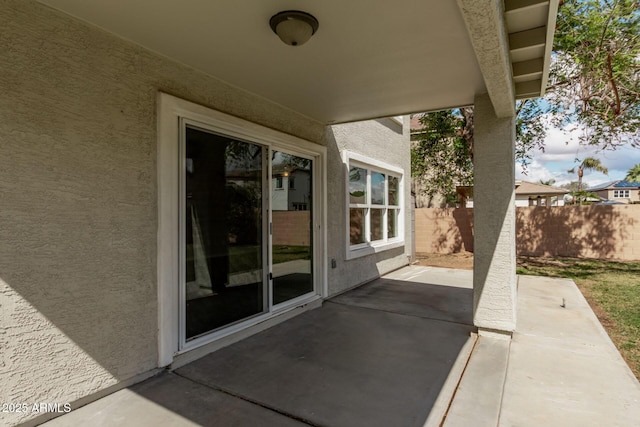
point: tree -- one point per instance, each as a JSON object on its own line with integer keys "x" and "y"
{"x": 442, "y": 157}
{"x": 595, "y": 74}
{"x": 594, "y": 85}
{"x": 547, "y": 181}
{"x": 633, "y": 174}
{"x": 589, "y": 163}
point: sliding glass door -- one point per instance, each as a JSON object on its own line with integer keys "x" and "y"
{"x": 224, "y": 244}
{"x": 236, "y": 264}
{"x": 291, "y": 233}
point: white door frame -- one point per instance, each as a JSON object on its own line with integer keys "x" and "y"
{"x": 173, "y": 113}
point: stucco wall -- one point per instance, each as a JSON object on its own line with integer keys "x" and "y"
{"x": 382, "y": 139}
{"x": 78, "y": 213}
{"x": 608, "y": 232}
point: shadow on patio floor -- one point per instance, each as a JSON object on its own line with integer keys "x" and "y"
{"x": 378, "y": 355}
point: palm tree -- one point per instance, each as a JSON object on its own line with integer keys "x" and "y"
{"x": 589, "y": 163}
{"x": 548, "y": 181}
{"x": 633, "y": 175}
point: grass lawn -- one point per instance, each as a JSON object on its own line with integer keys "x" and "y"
{"x": 611, "y": 288}
{"x": 282, "y": 253}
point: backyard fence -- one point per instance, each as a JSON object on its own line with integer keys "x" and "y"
{"x": 604, "y": 232}
{"x": 292, "y": 228}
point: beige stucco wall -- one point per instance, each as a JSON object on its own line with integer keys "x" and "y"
{"x": 78, "y": 212}
{"x": 382, "y": 139}
{"x": 608, "y": 232}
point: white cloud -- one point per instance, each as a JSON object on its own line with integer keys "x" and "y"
{"x": 561, "y": 151}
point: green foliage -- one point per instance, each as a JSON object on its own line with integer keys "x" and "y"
{"x": 589, "y": 163}
{"x": 442, "y": 156}
{"x": 531, "y": 130}
{"x": 595, "y": 75}
{"x": 633, "y": 174}
{"x": 594, "y": 86}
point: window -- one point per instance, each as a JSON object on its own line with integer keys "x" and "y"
{"x": 621, "y": 193}
{"x": 292, "y": 183}
{"x": 279, "y": 183}
{"x": 374, "y": 200}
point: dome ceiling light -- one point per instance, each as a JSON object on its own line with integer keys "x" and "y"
{"x": 293, "y": 27}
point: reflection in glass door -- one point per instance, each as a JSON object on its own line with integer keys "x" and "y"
{"x": 291, "y": 237}
{"x": 223, "y": 247}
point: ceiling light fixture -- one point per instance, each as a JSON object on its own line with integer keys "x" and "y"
{"x": 293, "y": 27}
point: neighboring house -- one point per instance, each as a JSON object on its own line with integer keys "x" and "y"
{"x": 618, "y": 191}
{"x": 536, "y": 194}
{"x": 526, "y": 194}
{"x": 291, "y": 189}
{"x": 137, "y": 143}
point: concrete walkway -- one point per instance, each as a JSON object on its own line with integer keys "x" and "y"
{"x": 398, "y": 351}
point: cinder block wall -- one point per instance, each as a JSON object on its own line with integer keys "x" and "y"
{"x": 606, "y": 232}
{"x": 444, "y": 230}
{"x": 291, "y": 228}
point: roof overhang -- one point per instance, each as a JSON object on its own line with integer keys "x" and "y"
{"x": 512, "y": 42}
{"x": 368, "y": 59}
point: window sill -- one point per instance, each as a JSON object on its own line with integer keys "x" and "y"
{"x": 374, "y": 248}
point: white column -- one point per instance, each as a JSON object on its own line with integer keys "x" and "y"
{"x": 494, "y": 270}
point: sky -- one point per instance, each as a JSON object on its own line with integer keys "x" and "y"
{"x": 561, "y": 150}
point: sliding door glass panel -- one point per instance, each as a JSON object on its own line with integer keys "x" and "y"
{"x": 223, "y": 227}
{"x": 292, "y": 239}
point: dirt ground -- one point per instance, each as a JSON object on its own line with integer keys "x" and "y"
{"x": 461, "y": 260}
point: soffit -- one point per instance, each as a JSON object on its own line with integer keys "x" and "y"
{"x": 530, "y": 24}
{"x": 369, "y": 58}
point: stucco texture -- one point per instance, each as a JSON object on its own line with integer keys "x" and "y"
{"x": 382, "y": 139}
{"x": 78, "y": 219}
{"x": 494, "y": 267}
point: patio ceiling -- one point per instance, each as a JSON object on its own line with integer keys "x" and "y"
{"x": 369, "y": 58}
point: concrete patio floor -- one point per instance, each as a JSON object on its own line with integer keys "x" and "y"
{"x": 399, "y": 351}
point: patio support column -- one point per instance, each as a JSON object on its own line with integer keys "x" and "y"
{"x": 494, "y": 270}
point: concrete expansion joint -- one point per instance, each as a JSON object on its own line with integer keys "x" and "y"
{"x": 495, "y": 333}
{"x": 445, "y": 415}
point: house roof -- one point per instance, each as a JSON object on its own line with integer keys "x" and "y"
{"x": 620, "y": 183}
{"x": 524, "y": 188}
{"x": 534, "y": 188}
{"x": 368, "y": 59}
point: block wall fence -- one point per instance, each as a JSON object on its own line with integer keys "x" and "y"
{"x": 604, "y": 232}
{"x": 291, "y": 228}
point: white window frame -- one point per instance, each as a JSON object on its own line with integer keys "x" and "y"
{"x": 373, "y": 165}
{"x": 172, "y": 114}
{"x": 621, "y": 194}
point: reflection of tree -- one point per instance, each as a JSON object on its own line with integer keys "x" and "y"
{"x": 242, "y": 155}
{"x": 354, "y": 174}
{"x": 243, "y": 212}
{"x": 293, "y": 162}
